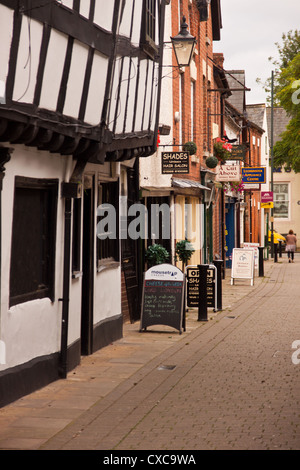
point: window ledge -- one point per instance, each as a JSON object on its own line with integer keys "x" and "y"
{"x": 107, "y": 264}
{"x": 77, "y": 274}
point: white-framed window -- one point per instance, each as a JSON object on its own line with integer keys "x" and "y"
{"x": 281, "y": 200}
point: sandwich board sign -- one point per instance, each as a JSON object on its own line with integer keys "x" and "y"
{"x": 242, "y": 264}
{"x": 192, "y": 287}
{"x": 163, "y": 297}
{"x": 253, "y": 246}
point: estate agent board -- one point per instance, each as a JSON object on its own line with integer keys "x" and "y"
{"x": 242, "y": 264}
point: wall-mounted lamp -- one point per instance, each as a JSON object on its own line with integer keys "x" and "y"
{"x": 183, "y": 45}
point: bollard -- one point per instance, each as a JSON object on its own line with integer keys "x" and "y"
{"x": 202, "y": 306}
{"x": 261, "y": 261}
{"x": 280, "y": 248}
{"x": 275, "y": 253}
{"x": 219, "y": 265}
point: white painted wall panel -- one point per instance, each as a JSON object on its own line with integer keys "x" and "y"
{"x": 126, "y": 19}
{"x": 131, "y": 98}
{"x": 6, "y": 16}
{"x": 76, "y": 79}
{"x": 84, "y": 8}
{"x": 141, "y": 95}
{"x": 52, "y": 75}
{"x": 114, "y": 92}
{"x": 32, "y": 329}
{"x": 148, "y": 96}
{"x": 123, "y": 96}
{"x": 137, "y": 21}
{"x": 28, "y": 60}
{"x": 104, "y": 13}
{"x": 68, "y": 3}
{"x": 96, "y": 89}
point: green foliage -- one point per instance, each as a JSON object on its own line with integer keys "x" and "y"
{"x": 211, "y": 162}
{"x": 184, "y": 251}
{"x": 286, "y": 52}
{"x": 156, "y": 254}
{"x": 190, "y": 147}
{"x": 287, "y": 150}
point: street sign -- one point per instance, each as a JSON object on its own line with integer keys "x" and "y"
{"x": 267, "y": 205}
{"x": 175, "y": 163}
{"x": 254, "y": 175}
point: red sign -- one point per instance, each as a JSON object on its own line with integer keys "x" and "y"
{"x": 266, "y": 196}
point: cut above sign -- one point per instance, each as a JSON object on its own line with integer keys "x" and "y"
{"x": 226, "y": 173}
{"x": 175, "y": 163}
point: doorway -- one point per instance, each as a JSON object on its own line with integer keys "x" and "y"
{"x": 87, "y": 266}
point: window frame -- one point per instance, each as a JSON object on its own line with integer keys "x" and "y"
{"x": 149, "y": 21}
{"x": 48, "y": 225}
{"x": 108, "y": 250}
{"x": 285, "y": 202}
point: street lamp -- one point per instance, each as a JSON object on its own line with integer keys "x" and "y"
{"x": 183, "y": 45}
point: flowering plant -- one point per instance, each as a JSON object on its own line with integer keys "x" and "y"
{"x": 237, "y": 186}
{"x": 222, "y": 149}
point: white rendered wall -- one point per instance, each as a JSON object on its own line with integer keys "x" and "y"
{"x": 30, "y": 329}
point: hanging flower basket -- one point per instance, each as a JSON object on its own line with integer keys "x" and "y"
{"x": 234, "y": 186}
{"x": 211, "y": 162}
{"x": 222, "y": 150}
{"x": 190, "y": 147}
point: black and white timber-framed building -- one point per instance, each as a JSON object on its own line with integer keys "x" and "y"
{"x": 79, "y": 105}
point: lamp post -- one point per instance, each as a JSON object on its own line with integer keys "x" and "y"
{"x": 183, "y": 45}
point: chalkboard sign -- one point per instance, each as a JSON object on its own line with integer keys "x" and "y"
{"x": 163, "y": 297}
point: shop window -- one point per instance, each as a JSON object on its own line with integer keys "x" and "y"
{"x": 281, "y": 200}
{"x": 33, "y": 240}
{"x": 108, "y": 222}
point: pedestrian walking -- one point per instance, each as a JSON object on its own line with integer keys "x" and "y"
{"x": 290, "y": 247}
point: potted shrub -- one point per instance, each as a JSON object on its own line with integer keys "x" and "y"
{"x": 156, "y": 254}
{"x": 190, "y": 147}
{"x": 183, "y": 251}
{"x": 211, "y": 162}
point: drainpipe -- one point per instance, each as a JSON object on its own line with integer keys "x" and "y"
{"x": 66, "y": 291}
{"x": 5, "y": 155}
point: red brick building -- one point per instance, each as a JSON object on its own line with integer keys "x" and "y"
{"x": 198, "y": 101}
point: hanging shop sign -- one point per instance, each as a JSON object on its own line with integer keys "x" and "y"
{"x": 266, "y": 196}
{"x": 226, "y": 173}
{"x": 163, "y": 297}
{"x": 238, "y": 152}
{"x": 254, "y": 175}
{"x": 251, "y": 187}
{"x": 175, "y": 163}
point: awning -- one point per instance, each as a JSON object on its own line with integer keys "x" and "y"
{"x": 187, "y": 184}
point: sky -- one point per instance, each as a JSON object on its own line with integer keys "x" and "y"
{"x": 250, "y": 31}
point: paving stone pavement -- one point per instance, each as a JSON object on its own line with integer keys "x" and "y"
{"x": 230, "y": 383}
